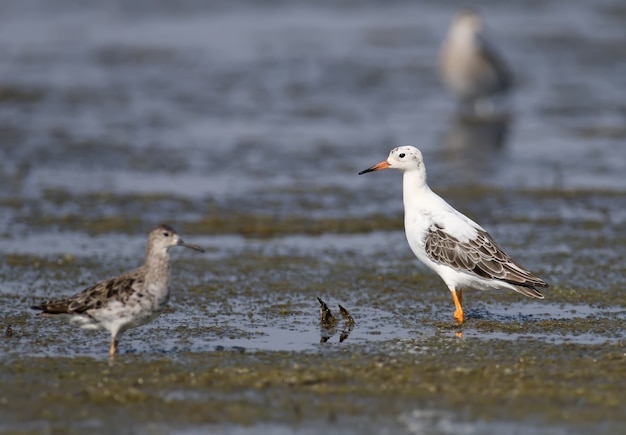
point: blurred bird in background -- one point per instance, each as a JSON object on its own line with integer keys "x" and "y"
{"x": 470, "y": 67}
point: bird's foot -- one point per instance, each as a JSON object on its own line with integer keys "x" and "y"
{"x": 457, "y": 297}
{"x": 459, "y": 317}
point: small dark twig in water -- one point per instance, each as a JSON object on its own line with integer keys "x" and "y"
{"x": 346, "y": 315}
{"x": 326, "y": 317}
{"x": 329, "y": 322}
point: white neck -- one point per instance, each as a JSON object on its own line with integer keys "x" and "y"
{"x": 413, "y": 188}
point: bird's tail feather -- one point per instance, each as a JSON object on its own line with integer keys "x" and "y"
{"x": 531, "y": 292}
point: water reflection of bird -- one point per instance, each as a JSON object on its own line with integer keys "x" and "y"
{"x": 125, "y": 301}
{"x": 471, "y": 144}
{"x": 457, "y": 248}
{"x": 469, "y": 65}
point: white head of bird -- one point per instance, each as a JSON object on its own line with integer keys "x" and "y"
{"x": 406, "y": 158}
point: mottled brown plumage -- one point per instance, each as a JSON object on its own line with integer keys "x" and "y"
{"x": 98, "y": 295}
{"x": 125, "y": 301}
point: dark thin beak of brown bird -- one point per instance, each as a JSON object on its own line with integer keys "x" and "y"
{"x": 181, "y": 242}
{"x": 376, "y": 167}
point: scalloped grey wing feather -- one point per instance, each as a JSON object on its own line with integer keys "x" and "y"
{"x": 481, "y": 256}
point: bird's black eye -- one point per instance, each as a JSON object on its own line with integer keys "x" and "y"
{"x": 401, "y": 155}
{"x": 166, "y": 234}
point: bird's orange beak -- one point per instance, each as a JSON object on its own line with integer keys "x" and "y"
{"x": 376, "y": 167}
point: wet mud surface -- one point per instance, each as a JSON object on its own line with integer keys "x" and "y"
{"x": 244, "y": 127}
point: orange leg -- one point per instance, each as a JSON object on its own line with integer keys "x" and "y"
{"x": 113, "y": 348}
{"x": 457, "y": 297}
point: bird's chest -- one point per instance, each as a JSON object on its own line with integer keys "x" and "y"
{"x": 142, "y": 307}
{"x": 416, "y": 225}
{"x": 153, "y": 297}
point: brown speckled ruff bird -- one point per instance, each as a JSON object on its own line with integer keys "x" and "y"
{"x": 125, "y": 301}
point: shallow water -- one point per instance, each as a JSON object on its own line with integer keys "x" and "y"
{"x": 244, "y": 126}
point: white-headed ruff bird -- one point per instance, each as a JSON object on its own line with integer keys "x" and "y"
{"x": 457, "y": 248}
{"x": 469, "y": 65}
{"x": 125, "y": 301}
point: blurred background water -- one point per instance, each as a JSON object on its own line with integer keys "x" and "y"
{"x": 235, "y": 99}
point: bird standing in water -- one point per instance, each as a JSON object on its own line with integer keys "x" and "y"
{"x": 448, "y": 242}
{"x": 125, "y": 301}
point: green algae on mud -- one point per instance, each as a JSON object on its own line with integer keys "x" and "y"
{"x": 523, "y": 381}
{"x": 279, "y": 289}
{"x": 553, "y": 362}
{"x": 130, "y": 211}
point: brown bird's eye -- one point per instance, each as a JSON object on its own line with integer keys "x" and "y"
{"x": 166, "y": 234}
